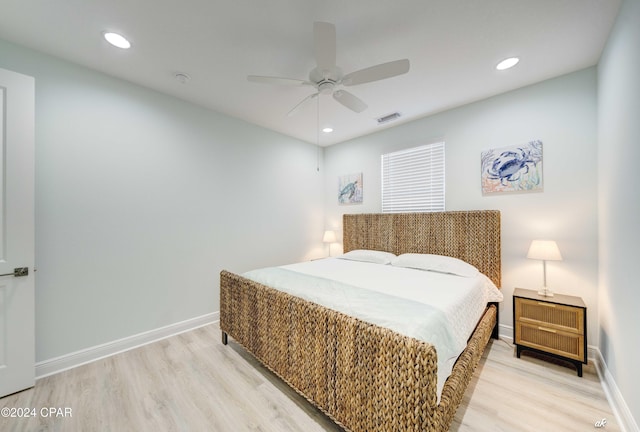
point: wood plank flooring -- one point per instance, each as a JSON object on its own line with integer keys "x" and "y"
{"x": 191, "y": 382}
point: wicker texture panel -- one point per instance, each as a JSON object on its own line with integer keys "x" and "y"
{"x": 473, "y": 236}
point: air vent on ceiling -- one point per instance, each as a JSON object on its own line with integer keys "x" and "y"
{"x": 388, "y": 118}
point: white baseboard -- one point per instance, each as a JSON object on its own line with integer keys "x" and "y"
{"x": 505, "y": 332}
{"x": 620, "y": 409}
{"x": 78, "y": 358}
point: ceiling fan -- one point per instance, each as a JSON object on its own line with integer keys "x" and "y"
{"x": 326, "y": 77}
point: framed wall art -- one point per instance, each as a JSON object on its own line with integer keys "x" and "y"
{"x": 350, "y": 189}
{"x": 512, "y": 169}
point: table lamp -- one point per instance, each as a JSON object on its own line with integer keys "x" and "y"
{"x": 545, "y": 250}
{"x": 329, "y": 237}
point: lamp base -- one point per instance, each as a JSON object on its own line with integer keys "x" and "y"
{"x": 545, "y": 292}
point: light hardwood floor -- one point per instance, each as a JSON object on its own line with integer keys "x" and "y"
{"x": 191, "y": 382}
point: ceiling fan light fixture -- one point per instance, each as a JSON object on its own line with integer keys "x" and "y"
{"x": 182, "y": 77}
{"x": 508, "y": 63}
{"x": 117, "y": 40}
{"x": 326, "y": 87}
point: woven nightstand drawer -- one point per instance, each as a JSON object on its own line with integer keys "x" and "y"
{"x": 545, "y": 338}
{"x": 559, "y": 317}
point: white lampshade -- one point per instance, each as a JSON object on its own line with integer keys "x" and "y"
{"x": 329, "y": 237}
{"x": 546, "y": 250}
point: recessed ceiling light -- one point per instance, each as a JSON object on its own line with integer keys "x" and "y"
{"x": 117, "y": 40}
{"x": 327, "y": 129}
{"x": 508, "y": 63}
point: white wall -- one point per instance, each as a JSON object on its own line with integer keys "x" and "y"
{"x": 562, "y": 114}
{"x": 619, "y": 198}
{"x": 141, "y": 199}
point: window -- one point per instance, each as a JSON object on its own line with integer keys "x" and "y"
{"x": 413, "y": 179}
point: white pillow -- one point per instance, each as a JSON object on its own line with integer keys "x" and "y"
{"x": 372, "y": 256}
{"x": 437, "y": 263}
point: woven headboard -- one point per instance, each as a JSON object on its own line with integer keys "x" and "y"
{"x": 472, "y": 236}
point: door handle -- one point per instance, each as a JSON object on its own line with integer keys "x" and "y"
{"x": 18, "y": 272}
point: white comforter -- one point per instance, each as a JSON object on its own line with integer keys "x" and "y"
{"x": 437, "y": 308}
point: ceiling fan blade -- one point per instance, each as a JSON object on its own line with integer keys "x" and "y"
{"x": 349, "y": 100}
{"x": 324, "y": 37}
{"x": 378, "y": 72}
{"x": 303, "y": 102}
{"x": 277, "y": 80}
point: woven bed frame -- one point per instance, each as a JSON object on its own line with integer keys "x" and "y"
{"x": 365, "y": 377}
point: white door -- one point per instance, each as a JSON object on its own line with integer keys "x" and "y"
{"x": 17, "y": 308}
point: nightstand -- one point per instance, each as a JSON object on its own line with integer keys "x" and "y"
{"x": 554, "y": 326}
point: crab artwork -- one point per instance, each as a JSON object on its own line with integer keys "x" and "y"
{"x": 512, "y": 168}
{"x": 510, "y": 165}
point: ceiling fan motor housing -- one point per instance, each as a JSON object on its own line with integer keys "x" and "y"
{"x": 325, "y": 79}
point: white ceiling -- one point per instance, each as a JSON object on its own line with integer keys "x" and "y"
{"x": 453, "y": 47}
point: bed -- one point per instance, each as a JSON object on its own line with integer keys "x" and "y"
{"x": 364, "y": 376}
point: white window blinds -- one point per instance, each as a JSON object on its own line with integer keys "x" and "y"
{"x": 413, "y": 179}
